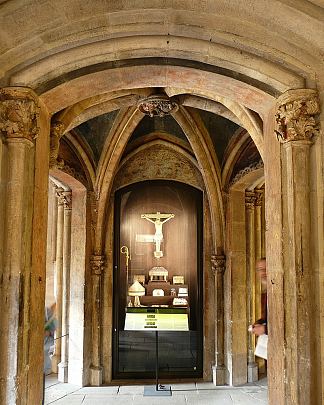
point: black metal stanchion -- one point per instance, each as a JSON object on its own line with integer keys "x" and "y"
{"x": 158, "y": 390}
{"x": 43, "y": 401}
{"x": 156, "y": 360}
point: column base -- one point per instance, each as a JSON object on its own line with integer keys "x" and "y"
{"x": 95, "y": 376}
{"x": 261, "y": 366}
{"x": 55, "y": 362}
{"x": 62, "y": 372}
{"x": 253, "y": 374}
{"x": 219, "y": 375}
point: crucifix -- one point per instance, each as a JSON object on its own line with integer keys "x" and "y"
{"x": 158, "y": 220}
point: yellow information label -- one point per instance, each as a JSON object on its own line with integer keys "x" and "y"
{"x": 160, "y": 322}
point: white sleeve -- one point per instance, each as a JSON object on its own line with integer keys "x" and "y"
{"x": 262, "y": 347}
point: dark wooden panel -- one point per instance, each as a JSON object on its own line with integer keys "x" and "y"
{"x": 182, "y": 256}
{"x": 180, "y": 237}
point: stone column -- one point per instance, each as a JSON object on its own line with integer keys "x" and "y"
{"x": 63, "y": 366}
{"x": 18, "y": 125}
{"x": 58, "y": 278}
{"x": 250, "y": 199}
{"x": 54, "y": 226}
{"x": 296, "y": 128}
{"x": 51, "y": 243}
{"x": 218, "y": 267}
{"x": 235, "y": 288}
{"x": 259, "y": 236}
{"x": 97, "y": 267}
{"x": 258, "y": 248}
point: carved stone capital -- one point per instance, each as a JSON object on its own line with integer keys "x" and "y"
{"x": 57, "y": 129}
{"x": 218, "y": 264}
{"x": 259, "y": 194}
{"x": 67, "y": 199}
{"x": 296, "y": 116}
{"x": 97, "y": 263}
{"x": 59, "y": 194}
{"x": 250, "y": 199}
{"x": 64, "y": 197}
{"x": 19, "y": 111}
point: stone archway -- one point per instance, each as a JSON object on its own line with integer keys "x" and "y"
{"x": 268, "y": 49}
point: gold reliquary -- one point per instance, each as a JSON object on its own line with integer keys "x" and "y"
{"x": 158, "y": 273}
{"x": 178, "y": 280}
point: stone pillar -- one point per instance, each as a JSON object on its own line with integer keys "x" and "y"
{"x": 235, "y": 290}
{"x": 250, "y": 199}
{"x": 259, "y": 194}
{"x": 58, "y": 278}
{"x": 51, "y": 239}
{"x": 19, "y": 113}
{"x": 296, "y": 128}
{"x": 258, "y": 248}
{"x": 63, "y": 366}
{"x": 218, "y": 267}
{"x": 97, "y": 267}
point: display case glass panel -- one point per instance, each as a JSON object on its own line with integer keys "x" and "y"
{"x": 158, "y": 269}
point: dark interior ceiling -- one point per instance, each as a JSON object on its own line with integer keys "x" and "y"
{"x": 95, "y": 131}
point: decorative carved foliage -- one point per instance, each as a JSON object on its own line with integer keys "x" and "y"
{"x": 64, "y": 198}
{"x": 67, "y": 196}
{"x": 157, "y": 106}
{"x": 57, "y": 129}
{"x": 296, "y": 115}
{"x": 59, "y": 195}
{"x": 158, "y": 162}
{"x": 72, "y": 172}
{"x": 250, "y": 199}
{"x": 218, "y": 264}
{"x": 259, "y": 194}
{"x": 97, "y": 263}
{"x": 18, "y": 114}
{"x": 246, "y": 170}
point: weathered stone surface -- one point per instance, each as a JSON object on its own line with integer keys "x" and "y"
{"x": 159, "y": 162}
{"x": 24, "y": 223}
{"x": 85, "y": 59}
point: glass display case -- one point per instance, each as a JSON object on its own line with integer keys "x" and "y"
{"x": 157, "y": 280}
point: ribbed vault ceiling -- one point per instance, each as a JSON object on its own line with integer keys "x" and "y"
{"x": 228, "y": 60}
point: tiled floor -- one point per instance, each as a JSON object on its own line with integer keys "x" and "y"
{"x": 182, "y": 394}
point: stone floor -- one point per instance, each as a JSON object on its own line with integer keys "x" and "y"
{"x": 182, "y": 394}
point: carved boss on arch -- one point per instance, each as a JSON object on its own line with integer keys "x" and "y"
{"x": 296, "y": 117}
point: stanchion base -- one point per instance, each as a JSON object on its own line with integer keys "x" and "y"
{"x": 162, "y": 391}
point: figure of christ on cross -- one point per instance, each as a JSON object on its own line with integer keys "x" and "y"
{"x": 158, "y": 220}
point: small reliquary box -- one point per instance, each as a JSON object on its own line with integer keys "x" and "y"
{"x": 139, "y": 277}
{"x": 178, "y": 280}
